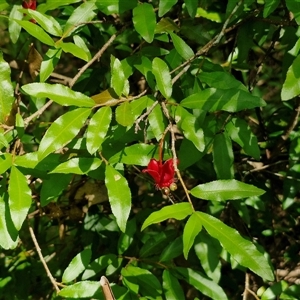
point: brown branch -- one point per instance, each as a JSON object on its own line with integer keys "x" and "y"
{"x": 38, "y": 249}
{"x": 106, "y": 289}
{"x": 96, "y": 57}
{"x": 38, "y": 112}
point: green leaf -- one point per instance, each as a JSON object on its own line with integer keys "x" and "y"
{"x": 171, "y": 286}
{"x": 79, "y": 42}
{"x": 126, "y": 238}
{"x": 5, "y": 162}
{"x": 99, "y": 264}
{"x": 14, "y": 28}
{"x": 193, "y": 132}
{"x": 144, "y": 65}
{"x": 82, "y": 14}
{"x": 191, "y": 230}
{"x": 137, "y": 154}
{"x": 205, "y": 285}
{"x": 3, "y": 141}
{"x": 8, "y": 233}
{"x": 242, "y": 250}
{"x": 110, "y": 7}
{"x": 6, "y": 90}
{"x": 157, "y": 122}
{"x": 77, "y": 265}
{"x": 291, "y": 86}
{"x": 178, "y": 211}
{"x": 118, "y": 80}
{"x": 52, "y": 188}
{"x": 124, "y": 114}
{"x": 223, "y": 157}
{"x": 19, "y": 197}
{"x": 119, "y": 196}
{"x": 48, "y": 23}
{"x": 270, "y": 6}
{"x": 240, "y": 132}
{"x": 164, "y": 6}
{"x": 183, "y": 49}
{"x": 173, "y": 250}
{"x": 48, "y": 64}
{"x": 294, "y": 7}
{"x": 221, "y": 190}
{"x": 83, "y": 289}
{"x": 97, "y": 129}
{"x": 58, "y": 93}
{"x": 163, "y": 78}
{"x": 74, "y": 50}
{"x": 62, "y": 131}
{"x": 231, "y": 100}
{"x": 191, "y": 6}
{"x": 144, "y": 21}
{"x": 148, "y": 284}
{"x": 36, "y": 31}
{"x": 166, "y": 25}
{"x": 78, "y": 165}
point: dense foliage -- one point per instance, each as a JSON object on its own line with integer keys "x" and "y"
{"x": 155, "y": 143}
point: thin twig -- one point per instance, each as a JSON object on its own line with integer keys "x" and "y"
{"x": 96, "y": 57}
{"x": 38, "y": 112}
{"x": 38, "y": 249}
{"x": 143, "y": 116}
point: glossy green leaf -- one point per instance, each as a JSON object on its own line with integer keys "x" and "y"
{"x": 48, "y": 23}
{"x": 137, "y": 106}
{"x": 223, "y": 157}
{"x": 191, "y": 230}
{"x": 241, "y": 250}
{"x": 74, "y": 50}
{"x": 178, "y": 211}
{"x": 291, "y": 87}
{"x": 99, "y": 264}
{"x": 166, "y": 25}
{"x": 5, "y": 162}
{"x": 97, "y": 129}
{"x": 83, "y": 289}
{"x": 163, "y": 78}
{"x": 58, "y": 93}
{"x": 110, "y": 7}
{"x": 270, "y": 6}
{"x": 148, "y": 284}
{"x": 52, "y": 187}
{"x": 14, "y": 28}
{"x": 78, "y": 165}
{"x": 165, "y": 6}
{"x": 77, "y": 265}
{"x": 83, "y": 13}
{"x": 191, "y": 6}
{"x": 3, "y": 142}
{"x": 119, "y": 196}
{"x": 173, "y": 250}
{"x": 208, "y": 250}
{"x": 124, "y": 115}
{"x": 157, "y": 122}
{"x": 144, "y": 21}
{"x": 126, "y": 238}
{"x": 79, "y": 42}
{"x": 210, "y": 15}
{"x": 48, "y": 64}
{"x": 144, "y": 65}
{"x": 183, "y": 49}
{"x": 193, "y": 132}
{"x": 205, "y": 285}
{"x": 19, "y": 197}
{"x": 36, "y": 31}
{"x": 171, "y": 286}
{"x": 222, "y": 190}
{"x": 137, "y": 154}
{"x": 231, "y": 100}
{"x": 240, "y": 132}
{"x": 62, "y": 131}
{"x": 6, "y": 90}
{"x": 9, "y": 235}
{"x": 275, "y": 290}
{"x": 118, "y": 80}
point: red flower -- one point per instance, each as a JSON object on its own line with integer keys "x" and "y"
{"x": 31, "y": 4}
{"x": 163, "y": 174}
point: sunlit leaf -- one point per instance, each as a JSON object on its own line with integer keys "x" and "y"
{"x": 165, "y": 6}
{"x": 119, "y": 196}
{"x": 182, "y": 47}
{"x": 171, "y": 286}
{"x": 83, "y": 289}
{"x": 178, "y": 211}
{"x": 221, "y": 190}
{"x": 14, "y": 28}
{"x": 124, "y": 115}
{"x": 5, "y": 162}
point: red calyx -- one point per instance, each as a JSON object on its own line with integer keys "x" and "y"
{"x": 31, "y": 4}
